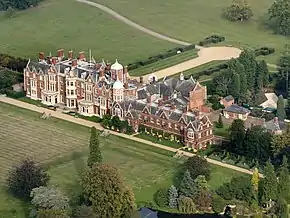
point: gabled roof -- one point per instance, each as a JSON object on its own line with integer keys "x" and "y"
{"x": 237, "y": 109}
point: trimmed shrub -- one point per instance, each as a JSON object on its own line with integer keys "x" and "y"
{"x": 264, "y": 51}
{"x": 212, "y": 39}
{"x": 153, "y": 59}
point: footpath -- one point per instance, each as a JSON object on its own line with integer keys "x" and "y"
{"x": 60, "y": 115}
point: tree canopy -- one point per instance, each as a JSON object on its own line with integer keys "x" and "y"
{"x": 95, "y": 155}
{"x": 107, "y": 192}
{"x": 279, "y": 14}
{"x": 17, "y": 4}
{"x": 25, "y": 177}
{"x": 196, "y": 166}
{"x": 281, "y": 113}
{"x": 239, "y": 10}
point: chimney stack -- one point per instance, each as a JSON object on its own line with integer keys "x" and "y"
{"x": 172, "y": 106}
{"x": 60, "y": 53}
{"x": 126, "y": 85}
{"x": 74, "y": 63}
{"x": 82, "y": 55}
{"x": 41, "y": 56}
{"x": 196, "y": 113}
{"x": 98, "y": 66}
{"x": 54, "y": 60}
{"x": 149, "y": 99}
{"x": 102, "y": 73}
{"x": 70, "y": 55}
{"x": 160, "y": 102}
{"x": 276, "y": 120}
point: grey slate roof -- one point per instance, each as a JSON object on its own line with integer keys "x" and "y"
{"x": 229, "y": 98}
{"x": 237, "y": 109}
{"x": 274, "y": 126}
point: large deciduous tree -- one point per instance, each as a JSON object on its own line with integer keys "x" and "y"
{"x": 239, "y": 10}
{"x": 25, "y": 177}
{"x": 49, "y": 201}
{"x": 186, "y": 205}
{"x": 95, "y": 155}
{"x": 280, "y": 142}
{"x": 279, "y": 14}
{"x": 237, "y": 136}
{"x": 107, "y": 192}
{"x": 197, "y": 165}
{"x": 17, "y": 4}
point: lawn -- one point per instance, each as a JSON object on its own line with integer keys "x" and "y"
{"x": 224, "y": 131}
{"x": 194, "y": 20}
{"x": 53, "y": 141}
{"x": 162, "y": 64}
{"x": 68, "y": 24}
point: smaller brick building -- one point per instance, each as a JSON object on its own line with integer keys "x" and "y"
{"x": 236, "y": 112}
{"x": 227, "y": 101}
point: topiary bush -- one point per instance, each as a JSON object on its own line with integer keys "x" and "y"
{"x": 264, "y": 51}
{"x": 212, "y": 39}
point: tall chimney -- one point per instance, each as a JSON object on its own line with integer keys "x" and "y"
{"x": 54, "y": 60}
{"x": 74, "y": 63}
{"x": 60, "y": 53}
{"x": 102, "y": 73}
{"x": 70, "y": 55}
{"x": 82, "y": 55}
{"x": 41, "y": 56}
{"x": 126, "y": 85}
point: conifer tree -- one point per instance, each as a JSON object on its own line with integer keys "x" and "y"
{"x": 284, "y": 180}
{"x": 236, "y": 85}
{"x": 269, "y": 184}
{"x": 95, "y": 155}
{"x": 186, "y": 187}
{"x": 220, "y": 123}
{"x": 173, "y": 196}
{"x": 243, "y": 84}
{"x": 281, "y": 114}
{"x": 255, "y": 180}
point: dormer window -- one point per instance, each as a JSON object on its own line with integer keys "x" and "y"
{"x": 190, "y": 133}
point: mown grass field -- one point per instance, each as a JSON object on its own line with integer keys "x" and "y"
{"x": 24, "y": 134}
{"x": 162, "y": 64}
{"x": 194, "y": 20}
{"x": 68, "y": 24}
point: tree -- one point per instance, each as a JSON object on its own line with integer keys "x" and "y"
{"x": 173, "y": 196}
{"x": 280, "y": 142}
{"x": 186, "y": 205}
{"x": 279, "y": 14}
{"x": 203, "y": 199}
{"x": 20, "y": 5}
{"x": 50, "y": 213}
{"x": 95, "y": 155}
{"x": 48, "y": 201}
{"x": 281, "y": 113}
{"x": 284, "y": 180}
{"x": 243, "y": 86}
{"x": 186, "y": 187}
{"x": 218, "y": 204}
{"x": 200, "y": 183}
{"x": 161, "y": 197}
{"x": 10, "y": 12}
{"x": 25, "y": 177}
{"x": 237, "y": 136}
{"x": 197, "y": 165}
{"x": 107, "y": 192}
{"x": 239, "y": 10}
{"x": 220, "y": 123}
{"x": 84, "y": 211}
{"x": 282, "y": 208}
{"x": 255, "y": 180}
{"x": 235, "y": 86}
{"x": 269, "y": 183}
{"x": 257, "y": 144}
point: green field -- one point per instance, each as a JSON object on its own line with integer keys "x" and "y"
{"x": 53, "y": 141}
{"x": 71, "y": 25}
{"x": 162, "y": 64}
{"x": 194, "y": 20}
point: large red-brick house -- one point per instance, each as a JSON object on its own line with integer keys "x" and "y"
{"x": 173, "y": 106}
{"x": 81, "y": 85}
{"x": 91, "y": 88}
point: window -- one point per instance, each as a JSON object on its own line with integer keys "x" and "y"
{"x": 82, "y": 85}
{"x": 71, "y": 83}
{"x": 169, "y": 125}
{"x": 210, "y": 132}
{"x": 206, "y": 133}
{"x": 190, "y": 133}
{"x": 199, "y": 135}
{"x": 72, "y": 103}
{"x": 67, "y": 92}
{"x": 83, "y": 109}
{"x": 151, "y": 120}
{"x": 72, "y": 92}
{"x": 67, "y": 83}
{"x": 158, "y": 122}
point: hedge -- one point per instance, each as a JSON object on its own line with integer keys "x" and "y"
{"x": 153, "y": 59}
{"x": 264, "y": 51}
{"x": 212, "y": 39}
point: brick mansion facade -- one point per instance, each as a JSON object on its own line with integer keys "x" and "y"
{"x": 91, "y": 88}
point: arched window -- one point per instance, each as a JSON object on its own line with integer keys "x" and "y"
{"x": 190, "y": 133}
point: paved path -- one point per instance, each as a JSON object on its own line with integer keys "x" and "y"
{"x": 60, "y": 115}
